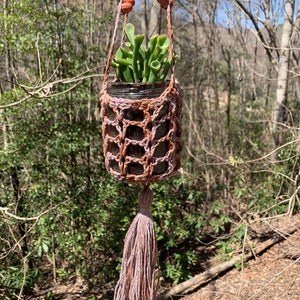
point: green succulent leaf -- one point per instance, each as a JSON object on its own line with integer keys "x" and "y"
{"x": 155, "y": 66}
{"x": 126, "y": 53}
{"x": 119, "y": 54}
{"x": 130, "y": 32}
{"x": 129, "y": 45}
{"x": 127, "y": 73}
{"x": 124, "y": 62}
{"x": 146, "y": 71}
{"x": 137, "y": 69}
{"x": 162, "y": 54}
{"x": 152, "y": 77}
{"x": 163, "y": 41}
{"x": 152, "y": 43}
{"x": 165, "y": 71}
{"x": 114, "y": 64}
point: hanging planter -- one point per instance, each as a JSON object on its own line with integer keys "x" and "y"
{"x": 142, "y": 131}
{"x": 141, "y": 112}
{"x": 141, "y": 115}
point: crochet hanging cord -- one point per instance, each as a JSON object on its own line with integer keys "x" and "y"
{"x": 141, "y": 129}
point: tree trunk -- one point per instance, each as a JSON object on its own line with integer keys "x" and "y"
{"x": 283, "y": 72}
{"x": 14, "y": 174}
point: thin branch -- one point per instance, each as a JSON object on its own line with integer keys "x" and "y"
{"x": 5, "y": 212}
{"x": 226, "y": 162}
{"x": 43, "y": 91}
{"x": 259, "y": 32}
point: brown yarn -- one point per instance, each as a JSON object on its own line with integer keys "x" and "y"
{"x": 139, "y": 255}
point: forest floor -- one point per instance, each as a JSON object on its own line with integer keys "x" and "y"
{"x": 272, "y": 275}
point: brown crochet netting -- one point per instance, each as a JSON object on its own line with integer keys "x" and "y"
{"x": 142, "y": 143}
{"x": 142, "y": 138}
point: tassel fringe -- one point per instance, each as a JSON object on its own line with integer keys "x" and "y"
{"x": 139, "y": 255}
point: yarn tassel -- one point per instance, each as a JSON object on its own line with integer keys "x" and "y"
{"x": 139, "y": 255}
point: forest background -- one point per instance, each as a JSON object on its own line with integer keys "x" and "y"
{"x": 62, "y": 216}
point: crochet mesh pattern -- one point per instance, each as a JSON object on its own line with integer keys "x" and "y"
{"x": 142, "y": 138}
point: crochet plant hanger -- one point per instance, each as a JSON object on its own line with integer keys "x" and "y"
{"x": 141, "y": 129}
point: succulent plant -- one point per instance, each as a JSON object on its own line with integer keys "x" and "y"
{"x": 135, "y": 63}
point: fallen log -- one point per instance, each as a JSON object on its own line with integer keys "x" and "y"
{"x": 202, "y": 278}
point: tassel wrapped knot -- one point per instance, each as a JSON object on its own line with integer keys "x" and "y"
{"x": 139, "y": 255}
